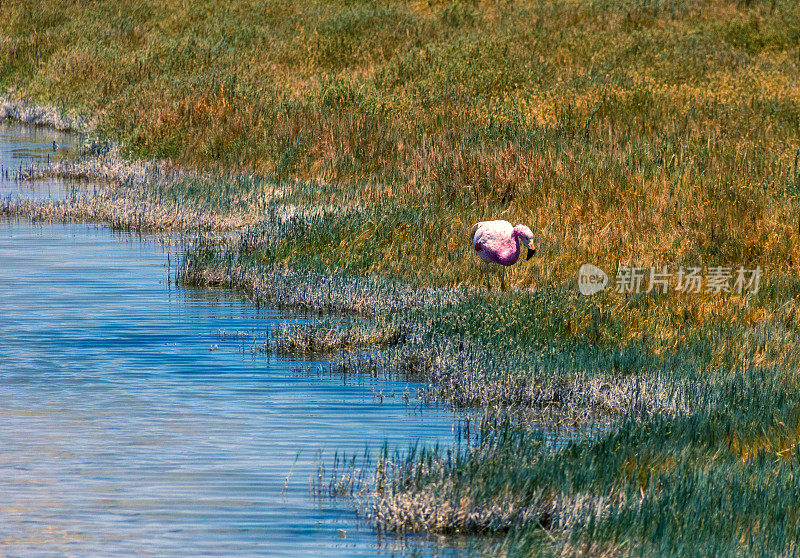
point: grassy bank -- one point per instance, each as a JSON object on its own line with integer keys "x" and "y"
{"x": 649, "y": 132}
{"x": 640, "y": 133}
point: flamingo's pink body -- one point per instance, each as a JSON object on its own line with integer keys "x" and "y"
{"x": 499, "y": 242}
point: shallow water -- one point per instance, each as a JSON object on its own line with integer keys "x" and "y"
{"x": 128, "y": 425}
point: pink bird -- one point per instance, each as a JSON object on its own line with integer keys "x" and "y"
{"x": 498, "y": 242}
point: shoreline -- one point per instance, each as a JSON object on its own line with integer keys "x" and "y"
{"x": 125, "y": 204}
{"x": 358, "y": 142}
{"x": 16, "y": 109}
{"x": 525, "y": 362}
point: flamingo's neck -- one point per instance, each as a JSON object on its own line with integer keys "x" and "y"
{"x": 512, "y": 256}
{"x": 518, "y": 232}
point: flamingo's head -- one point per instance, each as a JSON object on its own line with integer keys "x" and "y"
{"x": 526, "y": 237}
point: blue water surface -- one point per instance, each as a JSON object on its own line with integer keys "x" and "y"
{"x": 129, "y": 425}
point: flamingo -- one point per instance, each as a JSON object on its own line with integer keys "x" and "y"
{"x": 498, "y": 242}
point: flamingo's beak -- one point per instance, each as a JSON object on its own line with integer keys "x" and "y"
{"x": 531, "y": 250}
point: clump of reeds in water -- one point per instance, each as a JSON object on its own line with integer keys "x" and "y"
{"x": 119, "y": 209}
{"x": 107, "y": 188}
{"x": 415, "y": 490}
{"x": 312, "y": 290}
{"x": 464, "y": 374}
{"x": 18, "y": 110}
{"x": 331, "y": 336}
{"x": 654, "y": 475}
{"x": 102, "y": 162}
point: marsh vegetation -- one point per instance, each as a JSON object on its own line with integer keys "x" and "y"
{"x": 356, "y": 142}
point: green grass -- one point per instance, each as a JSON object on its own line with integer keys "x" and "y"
{"x": 656, "y": 131}
{"x": 717, "y": 482}
{"x": 622, "y": 132}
